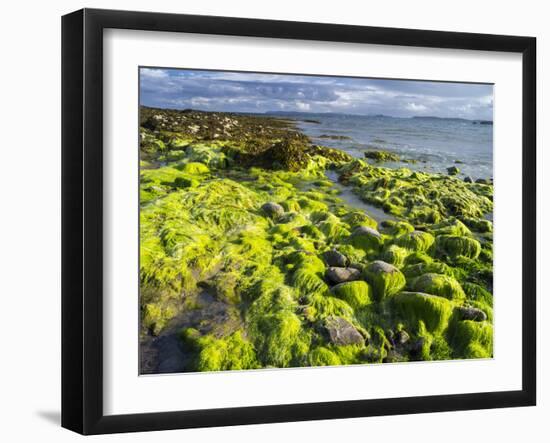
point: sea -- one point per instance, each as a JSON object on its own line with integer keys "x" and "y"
{"x": 434, "y": 144}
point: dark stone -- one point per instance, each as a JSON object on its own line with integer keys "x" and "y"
{"x": 470, "y": 313}
{"x": 483, "y": 181}
{"x": 342, "y": 332}
{"x": 340, "y": 275}
{"x": 468, "y": 179}
{"x": 453, "y": 170}
{"x": 272, "y": 209}
{"x": 335, "y": 258}
{"x": 366, "y": 230}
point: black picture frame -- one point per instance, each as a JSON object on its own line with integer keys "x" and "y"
{"x": 82, "y": 218}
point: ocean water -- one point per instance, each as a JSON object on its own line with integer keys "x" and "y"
{"x": 435, "y": 143}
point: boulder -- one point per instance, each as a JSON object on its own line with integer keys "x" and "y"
{"x": 438, "y": 284}
{"x": 415, "y": 241}
{"x": 335, "y": 258}
{"x": 455, "y": 246}
{"x": 453, "y": 170}
{"x": 385, "y": 279}
{"x": 342, "y": 332}
{"x": 366, "y": 238}
{"x": 468, "y": 179}
{"x": 272, "y": 209}
{"x": 471, "y": 313}
{"x": 337, "y": 274}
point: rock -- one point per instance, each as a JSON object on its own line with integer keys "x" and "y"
{"x": 342, "y": 332}
{"x": 385, "y": 279}
{"x": 470, "y": 313}
{"x": 453, "y": 170}
{"x": 357, "y": 294}
{"x": 272, "y": 209}
{"x": 366, "y": 238}
{"x": 468, "y": 179}
{"x": 415, "y": 241}
{"x": 381, "y": 156}
{"x": 438, "y": 284}
{"x": 483, "y": 181}
{"x": 340, "y": 275}
{"x": 455, "y": 246}
{"x": 335, "y": 258}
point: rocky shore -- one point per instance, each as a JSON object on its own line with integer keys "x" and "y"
{"x": 241, "y": 207}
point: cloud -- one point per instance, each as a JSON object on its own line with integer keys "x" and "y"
{"x": 256, "y": 92}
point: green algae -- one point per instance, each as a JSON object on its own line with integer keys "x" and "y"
{"x": 357, "y": 294}
{"x": 455, "y": 246}
{"x": 202, "y": 225}
{"x": 438, "y": 284}
{"x": 414, "y": 307}
{"x": 415, "y": 241}
{"x": 385, "y": 279}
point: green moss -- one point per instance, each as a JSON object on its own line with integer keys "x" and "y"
{"x": 367, "y": 239}
{"x": 451, "y": 226}
{"x": 432, "y": 310}
{"x": 322, "y": 356}
{"x": 395, "y": 228}
{"x": 233, "y": 352}
{"x": 417, "y": 257}
{"x": 280, "y": 339}
{"x": 381, "y": 156}
{"x": 395, "y": 255}
{"x": 357, "y": 294}
{"x": 434, "y": 267}
{"x": 471, "y": 339}
{"x": 194, "y": 168}
{"x": 455, "y": 246}
{"x": 385, "y": 279}
{"x": 415, "y": 241}
{"x": 438, "y": 284}
{"x": 308, "y": 274}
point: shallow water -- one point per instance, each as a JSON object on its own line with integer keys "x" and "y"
{"x": 435, "y": 144}
{"x": 355, "y": 201}
{"x": 166, "y": 353}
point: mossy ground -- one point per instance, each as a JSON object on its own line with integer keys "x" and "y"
{"x": 204, "y": 179}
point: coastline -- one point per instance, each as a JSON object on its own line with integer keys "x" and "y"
{"x": 249, "y": 211}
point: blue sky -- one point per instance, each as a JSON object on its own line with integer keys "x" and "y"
{"x": 253, "y": 92}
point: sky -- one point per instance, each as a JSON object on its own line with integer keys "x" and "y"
{"x": 258, "y": 93}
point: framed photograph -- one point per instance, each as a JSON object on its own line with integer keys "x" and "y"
{"x": 269, "y": 221}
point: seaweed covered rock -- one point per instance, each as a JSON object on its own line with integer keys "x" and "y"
{"x": 395, "y": 255}
{"x": 272, "y": 209}
{"x": 453, "y": 170}
{"x": 471, "y": 339}
{"x": 381, "y": 156}
{"x": 455, "y": 246}
{"x": 432, "y": 310}
{"x": 366, "y": 238}
{"x": 357, "y": 294}
{"x": 342, "y": 332}
{"x": 337, "y": 275}
{"x": 385, "y": 279}
{"x": 415, "y": 241}
{"x": 438, "y": 284}
{"x": 395, "y": 227}
{"x": 194, "y": 168}
{"x": 335, "y": 258}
